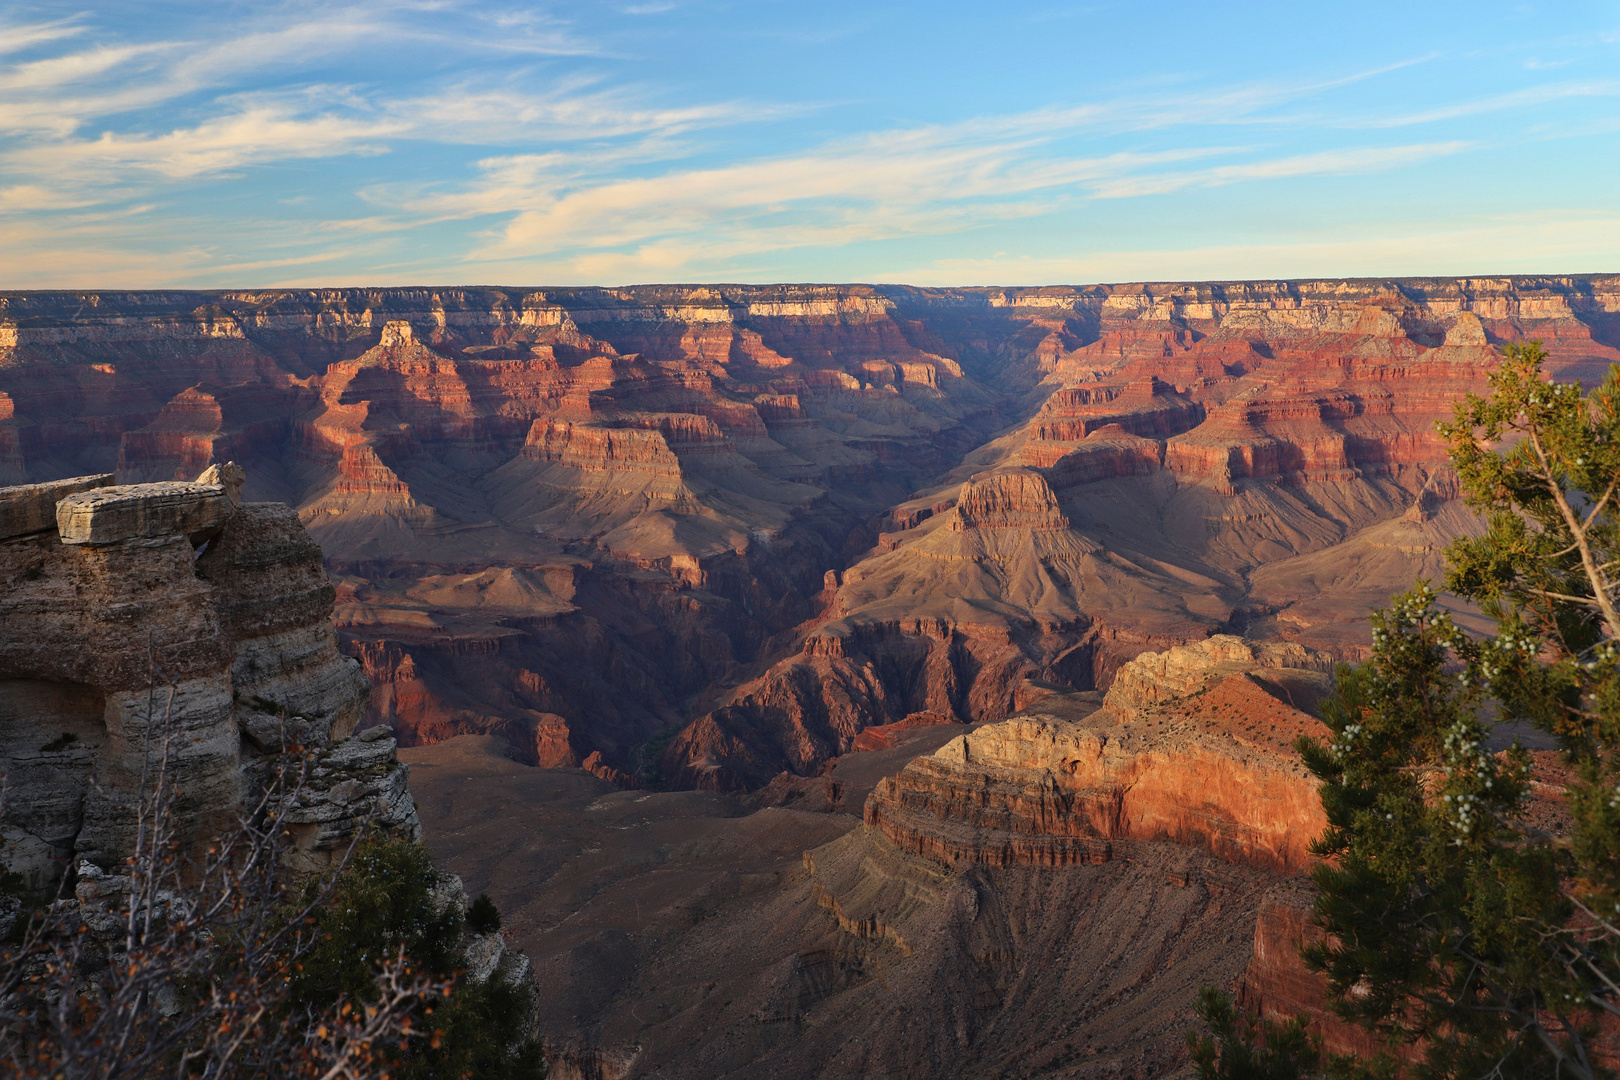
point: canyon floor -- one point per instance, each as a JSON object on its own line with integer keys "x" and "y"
{"x": 689, "y": 934}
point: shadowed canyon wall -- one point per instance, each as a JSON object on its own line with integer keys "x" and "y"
{"x": 709, "y": 533}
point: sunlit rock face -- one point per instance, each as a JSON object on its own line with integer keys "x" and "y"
{"x": 160, "y": 623}
{"x": 711, "y": 533}
{"x": 1193, "y": 745}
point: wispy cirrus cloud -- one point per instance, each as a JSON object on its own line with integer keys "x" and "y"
{"x": 35, "y": 197}
{"x": 1527, "y": 98}
{"x": 319, "y": 122}
{"x": 1346, "y": 162}
{"x": 571, "y": 111}
{"x": 19, "y": 37}
{"x": 904, "y": 182}
{"x": 219, "y": 145}
{"x": 45, "y": 103}
{"x": 57, "y": 71}
{"x": 921, "y": 182}
{"x": 929, "y": 180}
{"x": 60, "y": 94}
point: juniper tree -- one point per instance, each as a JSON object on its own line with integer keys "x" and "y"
{"x": 1474, "y": 943}
{"x": 1242, "y": 1046}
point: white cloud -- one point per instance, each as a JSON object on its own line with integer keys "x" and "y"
{"x": 16, "y": 37}
{"x": 24, "y": 197}
{"x": 254, "y": 136}
{"x": 1327, "y": 163}
{"x": 1517, "y": 99}
{"x": 60, "y": 94}
{"x": 570, "y": 111}
{"x": 926, "y": 181}
{"x": 74, "y": 67}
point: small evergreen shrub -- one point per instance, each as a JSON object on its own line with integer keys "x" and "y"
{"x": 483, "y": 917}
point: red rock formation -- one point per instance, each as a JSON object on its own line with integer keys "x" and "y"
{"x": 203, "y": 424}
{"x": 601, "y": 449}
{"x": 1040, "y": 792}
{"x": 1146, "y": 407}
{"x": 1107, "y": 452}
{"x": 1180, "y": 676}
{"x": 883, "y": 737}
{"x": 1009, "y": 501}
{"x": 603, "y": 771}
{"x": 1278, "y": 985}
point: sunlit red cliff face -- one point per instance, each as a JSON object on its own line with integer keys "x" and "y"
{"x": 712, "y": 533}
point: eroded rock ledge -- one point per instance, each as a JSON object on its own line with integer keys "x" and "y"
{"x": 131, "y": 611}
{"x": 1193, "y": 745}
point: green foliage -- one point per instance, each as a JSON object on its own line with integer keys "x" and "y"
{"x": 1471, "y": 942}
{"x": 475, "y": 1026}
{"x": 1546, "y": 571}
{"x": 1240, "y": 1046}
{"x": 1437, "y": 902}
{"x": 483, "y": 917}
{"x": 384, "y": 901}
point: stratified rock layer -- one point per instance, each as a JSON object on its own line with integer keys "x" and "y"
{"x": 112, "y": 515}
{"x": 1039, "y": 791}
{"x": 122, "y": 645}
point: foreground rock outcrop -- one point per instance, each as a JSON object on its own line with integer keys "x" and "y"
{"x": 152, "y": 622}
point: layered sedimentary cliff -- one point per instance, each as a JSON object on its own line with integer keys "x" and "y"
{"x": 580, "y": 518}
{"x": 166, "y": 625}
{"x": 1192, "y": 746}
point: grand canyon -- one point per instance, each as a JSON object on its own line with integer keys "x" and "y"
{"x": 826, "y": 681}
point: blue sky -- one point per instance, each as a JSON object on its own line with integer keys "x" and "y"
{"x": 226, "y": 145}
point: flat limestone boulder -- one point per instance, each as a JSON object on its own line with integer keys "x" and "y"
{"x": 31, "y": 508}
{"x": 135, "y": 511}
